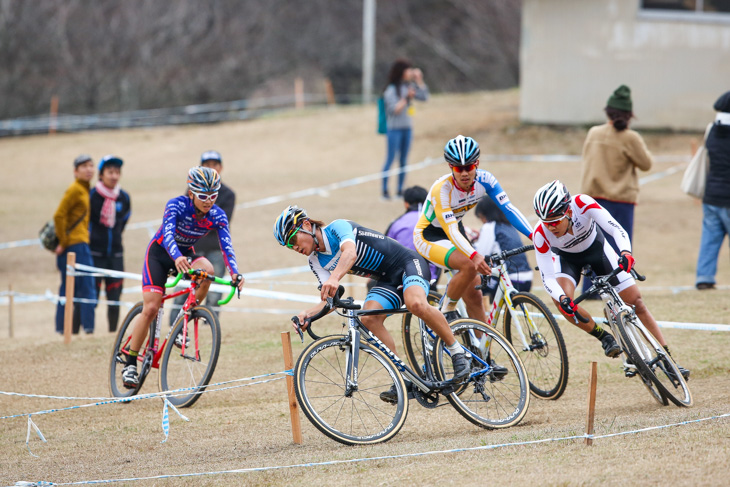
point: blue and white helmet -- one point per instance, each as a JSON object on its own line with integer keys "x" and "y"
{"x": 461, "y": 151}
{"x": 203, "y": 180}
{"x": 290, "y": 219}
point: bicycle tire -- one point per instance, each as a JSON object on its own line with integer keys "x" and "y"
{"x": 411, "y": 334}
{"x": 546, "y": 359}
{"x": 193, "y": 370}
{"x": 486, "y": 400}
{"x": 643, "y": 375}
{"x": 362, "y": 418}
{"x": 119, "y": 356}
{"x": 653, "y": 362}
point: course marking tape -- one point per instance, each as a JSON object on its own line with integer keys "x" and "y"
{"x": 308, "y": 298}
{"x": 385, "y": 457}
{"x": 429, "y": 161}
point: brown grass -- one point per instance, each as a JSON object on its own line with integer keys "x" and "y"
{"x": 249, "y": 427}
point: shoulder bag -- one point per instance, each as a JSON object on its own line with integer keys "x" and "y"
{"x": 48, "y": 237}
{"x": 695, "y": 176}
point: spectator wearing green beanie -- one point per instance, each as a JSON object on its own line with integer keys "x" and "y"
{"x": 612, "y": 156}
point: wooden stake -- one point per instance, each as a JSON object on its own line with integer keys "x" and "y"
{"x": 54, "y": 114}
{"x": 68, "y": 310}
{"x": 591, "y": 402}
{"x": 329, "y": 91}
{"x": 296, "y": 427}
{"x": 11, "y": 310}
{"x": 299, "y": 93}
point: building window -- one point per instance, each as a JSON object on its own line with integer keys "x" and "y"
{"x": 687, "y": 6}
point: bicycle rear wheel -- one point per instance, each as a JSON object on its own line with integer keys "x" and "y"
{"x": 352, "y": 417}
{"x": 541, "y": 347}
{"x": 192, "y": 370}
{"x": 411, "y": 332}
{"x": 120, "y": 351}
{"x": 493, "y": 397}
{"x": 653, "y": 362}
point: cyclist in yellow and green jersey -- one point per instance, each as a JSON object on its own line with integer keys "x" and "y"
{"x": 439, "y": 235}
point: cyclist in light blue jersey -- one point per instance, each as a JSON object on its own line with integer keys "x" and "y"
{"x": 345, "y": 247}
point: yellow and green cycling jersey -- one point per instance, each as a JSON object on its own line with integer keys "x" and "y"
{"x": 439, "y": 230}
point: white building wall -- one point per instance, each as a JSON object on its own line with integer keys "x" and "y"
{"x": 574, "y": 53}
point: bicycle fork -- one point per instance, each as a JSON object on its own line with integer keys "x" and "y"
{"x": 353, "y": 358}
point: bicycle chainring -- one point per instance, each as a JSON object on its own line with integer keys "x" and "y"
{"x": 428, "y": 400}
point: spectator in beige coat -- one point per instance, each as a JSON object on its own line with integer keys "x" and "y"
{"x": 613, "y": 154}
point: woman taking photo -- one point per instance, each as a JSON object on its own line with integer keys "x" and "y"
{"x": 404, "y": 84}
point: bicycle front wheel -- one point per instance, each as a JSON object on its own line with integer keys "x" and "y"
{"x": 120, "y": 352}
{"x": 653, "y": 362}
{"x": 190, "y": 371}
{"x": 353, "y": 414}
{"x": 539, "y": 342}
{"x": 496, "y": 395}
{"x": 412, "y": 342}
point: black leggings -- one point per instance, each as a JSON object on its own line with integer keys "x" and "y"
{"x": 112, "y": 285}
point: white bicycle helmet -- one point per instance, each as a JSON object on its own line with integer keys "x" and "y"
{"x": 551, "y": 201}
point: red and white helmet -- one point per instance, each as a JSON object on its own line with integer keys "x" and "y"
{"x": 551, "y": 201}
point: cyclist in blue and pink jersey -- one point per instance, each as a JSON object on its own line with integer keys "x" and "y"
{"x": 345, "y": 247}
{"x": 187, "y": 219}
{"x": 570, "y": 235}
{"x": 439, "y": 235}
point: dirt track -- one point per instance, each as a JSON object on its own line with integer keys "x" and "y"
{"x": 249, "y": 427}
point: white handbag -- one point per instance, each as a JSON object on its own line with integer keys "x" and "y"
{"x": 695, "y": 176}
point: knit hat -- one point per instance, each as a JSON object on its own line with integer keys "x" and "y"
{"x": 620, "y": 99}
{"x": 81, "y": 159}
{"x": 723, "y": 103}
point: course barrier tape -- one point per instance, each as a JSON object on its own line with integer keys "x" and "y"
{"x": 277, "y": 295}
{"x": 429, "y": 161}
{"x": 164, "y": 395}
{"x": 166, "y": 418}
{"x": 384, "y": 457}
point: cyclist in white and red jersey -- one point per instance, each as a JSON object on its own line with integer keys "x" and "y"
{"x": 439, "y": 235}
{"x": 570, "y": 235}
{"x": 187, "y": 219}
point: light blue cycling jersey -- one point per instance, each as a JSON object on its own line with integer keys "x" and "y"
{"x": 394, "y": 266}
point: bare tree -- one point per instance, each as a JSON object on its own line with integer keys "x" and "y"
{"x": 106, "y": 55}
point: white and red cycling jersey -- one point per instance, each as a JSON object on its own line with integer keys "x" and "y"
{"x": 561, "y": 256}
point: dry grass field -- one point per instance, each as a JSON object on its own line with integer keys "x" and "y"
{"x": 248, "y": 428}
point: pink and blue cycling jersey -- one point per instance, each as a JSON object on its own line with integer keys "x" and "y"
{"x": 180, "y": 230}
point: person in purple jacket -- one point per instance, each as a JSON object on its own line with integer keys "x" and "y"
{"x": 401, "y": 229}
{"x": 187, "y": 219}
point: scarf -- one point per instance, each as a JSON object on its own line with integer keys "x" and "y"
{"x": 108, "y": 210}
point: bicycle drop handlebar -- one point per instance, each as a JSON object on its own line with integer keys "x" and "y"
{"x": 498, "y": 258}
{"x": 598, "y": 283}
{"x": 200, "y": 274}
{"x": 506, "y": 254}
{"x": 333, "y": 302}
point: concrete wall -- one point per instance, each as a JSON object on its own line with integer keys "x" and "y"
{"x": 574, "y": 53}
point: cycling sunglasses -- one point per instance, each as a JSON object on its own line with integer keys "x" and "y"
{"x": 467, "y": 168}
{"x": 288, "y": 241}
{"x": 206, "y": 196}
{"x": 554, "y": 223}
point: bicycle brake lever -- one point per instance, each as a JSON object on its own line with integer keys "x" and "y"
{"x": 297, "y": 327}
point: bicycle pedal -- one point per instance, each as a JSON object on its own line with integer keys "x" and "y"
{"x": 630, "y": 370}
